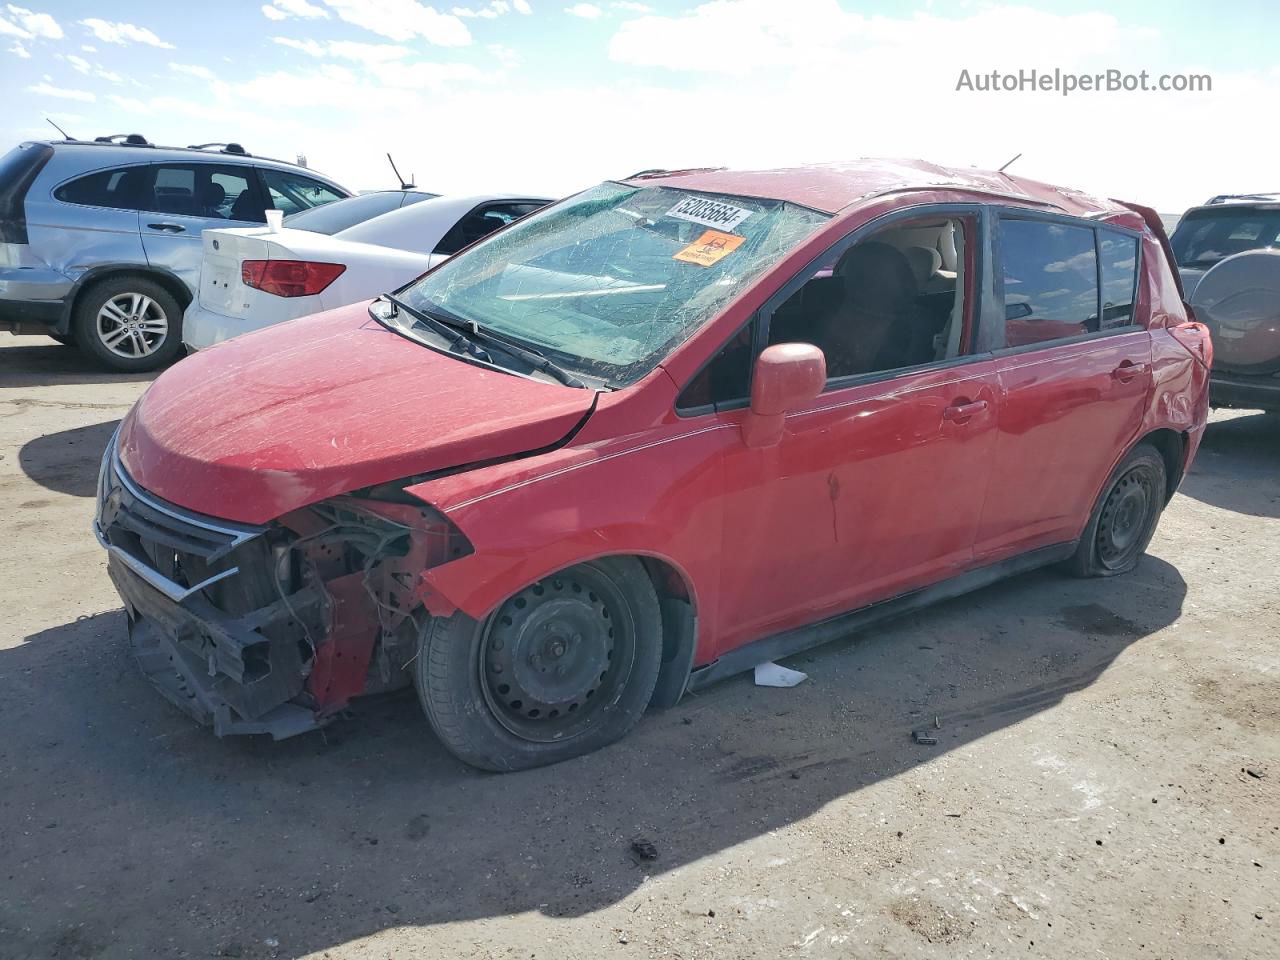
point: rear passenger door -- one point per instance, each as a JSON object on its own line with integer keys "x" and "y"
{"x": 1074, "y": 364}
{"x": 184, "y": 199}
{"x": 89, "y": 220}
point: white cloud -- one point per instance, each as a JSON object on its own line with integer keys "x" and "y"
{"x": 36, "y": 24}
{"x": 367, "y": 53}
{"x": 283, "y": 9}
{"x": 504, "y": 54}
{"x": 80, "y": 63}
{"x": 522, "y": 6}
{"x": 193, "y": 70}
{"x": 88, "y": 48}
{"x": 122, "y": 33}
{"x": 631, "y": 7}
{"x": 8, "y": 29}
{"x": 49, "y": 90}
{"x": 495, "y": 9}
{"x": 19, "y": 51}
{"x": 587, "y": 11}
{"x": 403, "y": 20}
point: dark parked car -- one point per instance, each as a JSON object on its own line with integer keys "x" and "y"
{"x": 1228, "y": 254}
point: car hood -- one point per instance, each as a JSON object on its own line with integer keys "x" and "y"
{"x": 266, "y": 423}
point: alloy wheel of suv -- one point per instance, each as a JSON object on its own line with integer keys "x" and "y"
{"x": 563, "y": 667}
{"x": 129, "y": 323}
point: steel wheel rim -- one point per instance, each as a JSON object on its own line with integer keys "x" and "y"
{"x": 1125, "y": 517}
{"x": 132, "y": 325}
{"x": 557, "y": 655}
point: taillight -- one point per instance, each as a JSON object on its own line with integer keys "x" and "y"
{"x": 289, "y": 278}
{"x": 1194, "y": 336}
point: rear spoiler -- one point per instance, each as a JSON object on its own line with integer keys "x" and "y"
{"x": 1156, "y": 226}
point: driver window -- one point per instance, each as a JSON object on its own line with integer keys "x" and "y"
{"x": 895, "y": 299}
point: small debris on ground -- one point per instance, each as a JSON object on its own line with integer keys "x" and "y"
{"x": 773, "y": 675}
{"x": 923, "y": 737}
{"x": 1255, "y": 773}
{"x": 644, "y": 849}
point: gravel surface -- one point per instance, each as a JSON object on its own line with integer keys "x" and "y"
{"x": 1106, "y": 781}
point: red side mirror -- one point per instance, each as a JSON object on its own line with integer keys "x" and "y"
{"x": 787, "y": 376}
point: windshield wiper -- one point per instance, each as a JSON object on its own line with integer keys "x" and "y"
{"x": 448, "y": 325}
{"x": 530, "y": 356}
{"x": 455, "y": 335}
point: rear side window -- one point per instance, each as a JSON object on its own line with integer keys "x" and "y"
{"x": 208, "y": 190}
{"x": 119, "y": 189}
{"x": 291, "y": 192}
{"x": 481, "y": 222}
{"x": 1119, "y": 260}
{"x": 1050, "y": 281}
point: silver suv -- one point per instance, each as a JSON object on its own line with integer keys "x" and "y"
{"x": 100, "y": 240}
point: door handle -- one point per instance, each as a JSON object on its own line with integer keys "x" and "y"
{"x": 960, "y": 412}
{"x": 168, "y": 227}
{"x": 1128, "y": 370}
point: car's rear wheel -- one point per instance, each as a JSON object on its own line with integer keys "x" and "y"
{"x": 1125, "y": 516}
{"x": 564, "y": 667}
{"x": 129, "y": 323}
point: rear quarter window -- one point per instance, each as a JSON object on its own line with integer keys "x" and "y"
{"x": 118, "y": 189}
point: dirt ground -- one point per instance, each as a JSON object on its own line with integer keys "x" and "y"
{"x": 1106, "y": 782}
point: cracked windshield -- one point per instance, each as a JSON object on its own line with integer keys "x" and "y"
{"x": 608, "y": 282}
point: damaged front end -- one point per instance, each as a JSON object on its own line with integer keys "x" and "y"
{"x": 273, "y": 628}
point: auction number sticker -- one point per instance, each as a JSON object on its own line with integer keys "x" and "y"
{"x": 710, "y": 213}
{"x": 709, "y": 248}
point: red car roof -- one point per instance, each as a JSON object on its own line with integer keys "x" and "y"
{"x": 830, "y": 187}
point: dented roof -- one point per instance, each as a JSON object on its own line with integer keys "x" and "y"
{"x": 831, "y": 187}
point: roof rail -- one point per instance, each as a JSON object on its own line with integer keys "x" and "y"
{"x": 657, "y": 172}
{"x": 226, "y": 148}
{"x": 1227, "y": 197}
{"x": 131, "y": 139}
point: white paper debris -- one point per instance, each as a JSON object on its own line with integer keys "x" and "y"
{"x": 772, "y": 675}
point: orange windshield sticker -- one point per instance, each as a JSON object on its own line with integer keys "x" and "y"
{"x": 710, "y": 248}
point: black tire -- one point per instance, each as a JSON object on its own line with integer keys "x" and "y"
{"x": 1125, "y": 516}
{"x": 580, "y": 649}
{"x": 148, "y": 333}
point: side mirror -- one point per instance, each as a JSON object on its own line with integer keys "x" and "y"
{"x": 1017, "y": 311}
{"x": 787, "y": 376}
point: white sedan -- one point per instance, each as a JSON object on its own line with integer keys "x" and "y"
{"x": 254, "y": 277}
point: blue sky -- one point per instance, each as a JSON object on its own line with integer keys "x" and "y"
{"x": 554, "y": 96}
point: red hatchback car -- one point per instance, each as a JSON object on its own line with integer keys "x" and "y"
{"x": 649, "y": 437}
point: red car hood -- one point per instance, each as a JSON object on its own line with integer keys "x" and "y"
{"x": 263, "y": 424}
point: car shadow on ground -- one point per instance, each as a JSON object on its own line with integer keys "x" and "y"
{"x": 319, "y": 840}
{"x": 1238, "y": 466}
{"x": 67, "y": 461}
{"x": 44, "y": 362}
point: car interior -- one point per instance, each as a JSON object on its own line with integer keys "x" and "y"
{"x": 892, "y": 300}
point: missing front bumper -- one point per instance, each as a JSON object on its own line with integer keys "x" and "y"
{"x": 221, "y": 671}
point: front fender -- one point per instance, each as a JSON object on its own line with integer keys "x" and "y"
{"x": 658, "y": 494}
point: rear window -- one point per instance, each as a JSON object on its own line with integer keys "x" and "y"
{"x": 341, "y": 214}
{"x": 118, "y": 189}
{"x": 1204, "y": 237}
{"x": 18, "y": 168}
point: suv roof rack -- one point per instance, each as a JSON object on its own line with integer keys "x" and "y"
{"x": 235, "y": 148}
{"x": 1241, "y": 197}
{"x": 129, "y": 139}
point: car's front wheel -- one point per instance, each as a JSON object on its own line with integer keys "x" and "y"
{"x": 129, "y": 323}
{"x": 1125, "y": 516}
{"x": 564, "y": 667}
